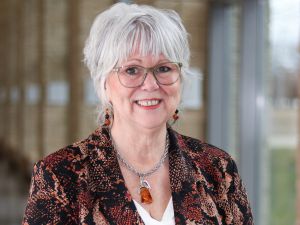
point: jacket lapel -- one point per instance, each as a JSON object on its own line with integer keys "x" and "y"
{"x": 191, "y": 192}
{"x": 186, "y": 200}
{"x": 110, "y": 196}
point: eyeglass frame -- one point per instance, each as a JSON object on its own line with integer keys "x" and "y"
{"x": 146, "y": 71}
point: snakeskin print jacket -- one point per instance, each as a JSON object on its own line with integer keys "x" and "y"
{"x": 82, "y": 184}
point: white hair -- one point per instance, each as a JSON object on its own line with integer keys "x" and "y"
{"x": 124, "y": 29}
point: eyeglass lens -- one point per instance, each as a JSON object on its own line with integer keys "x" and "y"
{"x": 134, "y": 76}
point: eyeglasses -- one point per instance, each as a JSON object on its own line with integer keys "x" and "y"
{"x": 134, "y": 76}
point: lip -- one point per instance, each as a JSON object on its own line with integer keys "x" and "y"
{"x": 149, "y": 103}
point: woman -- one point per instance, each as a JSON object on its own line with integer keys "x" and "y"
{"x": 134, "y": 169}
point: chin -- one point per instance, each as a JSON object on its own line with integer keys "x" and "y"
{"x": 152, "y": 124}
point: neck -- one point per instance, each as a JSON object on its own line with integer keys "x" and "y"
{"x": 141, "y": 147}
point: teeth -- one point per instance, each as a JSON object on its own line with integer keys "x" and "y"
{"x": 148, "y": 102}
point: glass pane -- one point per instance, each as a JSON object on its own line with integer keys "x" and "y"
{"x": 283, "y": 107}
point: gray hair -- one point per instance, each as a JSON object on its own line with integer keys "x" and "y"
{"x": 124, "y": 29}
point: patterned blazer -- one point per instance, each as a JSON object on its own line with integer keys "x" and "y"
{"x": 82, "y": 184}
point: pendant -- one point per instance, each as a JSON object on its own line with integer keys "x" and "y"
{"x": 146, "y": 197}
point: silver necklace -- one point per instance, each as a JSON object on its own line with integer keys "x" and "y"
{"x": 145, "y": 187}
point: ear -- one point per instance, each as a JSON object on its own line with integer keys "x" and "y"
{"x": 107, "y": 89}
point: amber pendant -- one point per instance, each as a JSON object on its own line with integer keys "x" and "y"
{"x": 146, "y": 197}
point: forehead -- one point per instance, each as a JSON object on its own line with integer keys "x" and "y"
{"x": 147, "y": 60}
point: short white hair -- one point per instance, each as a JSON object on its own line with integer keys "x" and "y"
{"x": 124, "y": 29}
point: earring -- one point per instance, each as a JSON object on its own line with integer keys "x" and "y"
{"x": 175, "y": 116}
{"x": 107, "y": 118}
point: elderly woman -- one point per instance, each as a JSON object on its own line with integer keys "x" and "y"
{"x": 134, "y": 169}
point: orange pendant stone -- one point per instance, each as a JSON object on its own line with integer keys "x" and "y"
{"x": 145, "y": 195}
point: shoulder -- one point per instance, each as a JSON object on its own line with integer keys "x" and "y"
{"x": 204, "y": 155}
{"x": 195, "y": 146}
{"x": 67, "y": 155}
{"x": 72, "y": 159}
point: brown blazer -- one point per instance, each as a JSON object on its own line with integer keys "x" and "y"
{"x": 82, "y": 184}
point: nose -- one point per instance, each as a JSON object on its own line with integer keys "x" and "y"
{"x": 150, "y": 82}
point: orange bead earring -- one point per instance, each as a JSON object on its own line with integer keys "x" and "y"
{"x": 175, "y": 116}
{"x": 107, "y": 118}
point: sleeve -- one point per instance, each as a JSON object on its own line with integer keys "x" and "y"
{"x": 237, "y": 196}
{"x": 47, "y": 203}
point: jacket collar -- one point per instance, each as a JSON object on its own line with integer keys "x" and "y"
{"x": 109, "y": 191}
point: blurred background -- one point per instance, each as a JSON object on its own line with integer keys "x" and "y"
{"x": 244, "y": 100}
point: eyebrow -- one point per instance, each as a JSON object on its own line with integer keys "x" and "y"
{"x": 133, "y": 60}
{"x": 140, "y": 61}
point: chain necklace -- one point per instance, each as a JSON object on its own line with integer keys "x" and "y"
{"x": 144, "y": 188}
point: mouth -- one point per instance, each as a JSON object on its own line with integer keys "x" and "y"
{"x": 148, "y": 103}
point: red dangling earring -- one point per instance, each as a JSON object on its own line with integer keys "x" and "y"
{"x": 107, "y": 118}
{"x": 175, "y": 116}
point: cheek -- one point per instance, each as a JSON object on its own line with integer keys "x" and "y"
{"x": 175, "y": 92}
{"x": 112, "y": 89}
{"x": 116, "y": 93}
{"x": 178, "y": 98}
{"x": 174, "y": 97}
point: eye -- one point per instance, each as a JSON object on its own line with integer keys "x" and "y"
{"x": 163, "y": 69}
{"x": 133, "y": 70}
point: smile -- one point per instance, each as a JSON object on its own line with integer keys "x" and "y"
{"x": 148, "y": 102}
